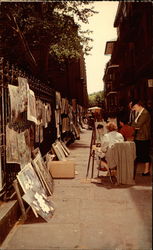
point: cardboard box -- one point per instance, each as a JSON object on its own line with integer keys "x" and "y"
{"x": 62, "y": 169}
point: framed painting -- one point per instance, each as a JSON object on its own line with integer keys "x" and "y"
{"x": 40, "y": 203}
{"x": 43, "y": 173}
{"x": 29, "y": 180}
{"x": 58, "y": 151}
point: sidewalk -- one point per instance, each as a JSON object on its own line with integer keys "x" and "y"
{"x": 90, "y": 216}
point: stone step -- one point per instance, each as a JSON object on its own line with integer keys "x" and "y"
{"x": 9, "y": 215}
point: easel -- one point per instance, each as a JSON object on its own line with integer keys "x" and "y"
{"x": 92, "y": 152}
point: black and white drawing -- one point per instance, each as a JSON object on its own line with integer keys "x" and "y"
{"x": 29, "y": 180}
{"x": 23, "y": 93}
{"x": 40, "y": 203}
{"x": 31, "y": 111}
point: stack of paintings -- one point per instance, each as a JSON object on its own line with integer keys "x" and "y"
{"x": 60, "y": 150}
{"x": 37, "y": 184}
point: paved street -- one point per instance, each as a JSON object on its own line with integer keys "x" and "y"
{"x": 90, "y": 216}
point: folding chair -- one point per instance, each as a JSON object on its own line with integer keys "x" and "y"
{"x": 108, "y": 171}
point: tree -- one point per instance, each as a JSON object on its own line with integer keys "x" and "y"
{"x": 33, "y": 31}
{"x": 96, "y": 99}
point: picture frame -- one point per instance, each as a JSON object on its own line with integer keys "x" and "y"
{"x": 103, "y": 123}
{"x": 43, "y": 173}
{"x": 65, "y": 147}
{"x": 29, "y": 180}
{"x": 58, "y": 151}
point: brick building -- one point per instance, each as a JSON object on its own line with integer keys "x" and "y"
{"x": 129, "y": 73}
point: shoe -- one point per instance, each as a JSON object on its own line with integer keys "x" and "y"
{"x": 146, "y": 174}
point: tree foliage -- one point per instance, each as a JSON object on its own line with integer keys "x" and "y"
{"x": 34, "y": 30}
{"x": 96, "y": 99}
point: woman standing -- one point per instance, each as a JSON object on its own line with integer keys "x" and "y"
{"x": 142, "y": 137}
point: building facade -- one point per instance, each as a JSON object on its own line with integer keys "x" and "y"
{"x": 129, "y": 73}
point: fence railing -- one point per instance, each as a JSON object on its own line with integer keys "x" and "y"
{"x": 9, "y": 75}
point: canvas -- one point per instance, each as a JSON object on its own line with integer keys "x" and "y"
{"x": 24, "y": 147}
{"x": 29, "y": 180}
{"x": 58, "y": 151}
{"x": 40, "y": 203}
{"x": 12, "y": 153}
{"x": 31, "y": 111}
{"x": 23, "y": 93}
{"x": 43, "y": 173}
{"x": 14, "y": 100}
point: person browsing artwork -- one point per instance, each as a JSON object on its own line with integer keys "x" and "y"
{"x": 142, "y": 125}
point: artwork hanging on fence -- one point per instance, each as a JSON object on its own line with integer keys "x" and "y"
{"x": 23, "y": 94}
{"x": 58, "y": 100}
{"x": 66, "y": 106}
{"x": 18, "y": 147}
{"x": 70, "y": 115}
{"x": 39, "y": 133}
{"x": 58, "y": 132}
{"x": 65, "y": 124}
{"x": 31, "y": 112}
{"x": 24, "y": 147}
{"x": 14, "y": 101}
{"x": 43, "y": 115}
{"x": 43, "y": 173}
{"x": 40, "y": 203}
{"x": 39, "y": 104}
{"x": 57, "y": 117}
{"x": 63, "y": 105}
{"x": 12, "y": 153}
{"x": 74, "y": 105}
{"x": 48, "y": 112}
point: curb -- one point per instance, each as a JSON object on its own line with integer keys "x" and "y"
{"x": 9, "y": 215}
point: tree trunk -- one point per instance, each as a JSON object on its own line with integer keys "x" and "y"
{"x": 42, "y": 68}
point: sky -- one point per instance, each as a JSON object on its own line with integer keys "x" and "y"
{"x": 102, "y": 26}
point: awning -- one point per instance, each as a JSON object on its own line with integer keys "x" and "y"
{"x": 113, "y": 66}
{"x": 94, "y": 109}
{"x": 112, "y": 93}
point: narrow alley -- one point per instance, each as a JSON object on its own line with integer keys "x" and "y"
{"x": 89, "y": 216}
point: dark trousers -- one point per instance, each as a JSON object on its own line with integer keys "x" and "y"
{"x": 142, "y": 151}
